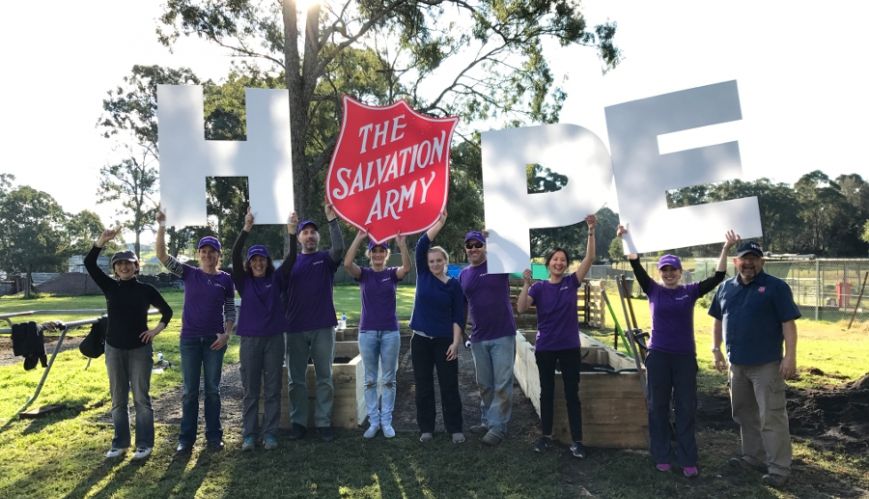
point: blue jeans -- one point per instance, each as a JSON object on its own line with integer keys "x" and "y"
{"x": 379, "y": 351}
{"x": 672, "y": 377}
{"x": 319, "y": 345}
{"x": 493, "y": 361}
{"x": 196, "y": 357}
{"x": 131, "y": 370}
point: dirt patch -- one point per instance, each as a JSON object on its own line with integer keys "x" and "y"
{"x": 836, "y": 417}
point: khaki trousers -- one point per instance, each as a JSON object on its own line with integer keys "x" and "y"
{"x": 757, "y": 395}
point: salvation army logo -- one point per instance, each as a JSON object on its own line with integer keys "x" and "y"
{"x": 390, "y": 170}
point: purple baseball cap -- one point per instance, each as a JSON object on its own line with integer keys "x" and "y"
{"x": 670, "y": 261}
{"x": 305, "y": 223}
{"x": 257, "y": 250}
{"x": 475, "y": 235}
{"x": 209, "y": 241}
{"x": 372, "y": 245}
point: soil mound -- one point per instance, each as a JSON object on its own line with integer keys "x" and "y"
{"x": 832, "y": 418}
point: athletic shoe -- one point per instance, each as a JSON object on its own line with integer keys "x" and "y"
{"x": 492, "y": 437}
{"x": 270, "y": 442}
{"x": 141, "y": 453}
{"x": 215, "y": 445}
{"x": 542, "y": 443}
{"x": 690, "y": 471}
{"x": 388, "y": 431}
{"x": 115, "y": 452}
{"x": 297, "y": 432}
{"x": 773, "y": 480}
{"x": 426, "y": 437}
{"x": 744, "y": 464}
{"x": 663, "y": 467}
{"x": 326, "y": 433}
{"x": 248, "y": 444}
{"x": 577, "y": 450}
{"x": 458, "y": 438}
{"x": 479, "y": 428}
{"x": 371, "y": 432}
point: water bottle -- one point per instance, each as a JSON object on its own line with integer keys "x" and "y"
{"x": 342, "y": 324}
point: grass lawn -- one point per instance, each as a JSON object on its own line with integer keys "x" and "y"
{"x": 61, "y": 454}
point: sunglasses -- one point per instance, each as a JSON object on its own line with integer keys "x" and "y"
{"x": 473, "y": 245}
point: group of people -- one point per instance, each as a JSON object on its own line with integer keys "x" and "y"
{"x": 288, "y": 315}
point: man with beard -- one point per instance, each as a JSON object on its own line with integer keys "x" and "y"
{"x": 312, "y": 321}
{"x": 493, "y": 341}
{"x": 756, "y": 312}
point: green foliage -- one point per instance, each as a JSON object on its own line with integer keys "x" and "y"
{"x": 32, "y": 231}
{"x": 489, "y": 53}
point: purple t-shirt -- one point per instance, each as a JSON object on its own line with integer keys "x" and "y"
{"x": 378, "y": 299}
{"x": 205, "y": 296}
{"x": 488, "y": 297}
{"x": 673, "y": 317}
{"x": 310, "y": 304}
{"x": 262, "y": 309}
{"x": 557, "y": 319}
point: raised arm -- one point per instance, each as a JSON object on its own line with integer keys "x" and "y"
{"x": 336, "y": 252}
{"x": 237, "y": 260}
{"x": 640, "y": 273}
{"x": 524, "y": 302}
{"x": 435, "y": 229}
{"x": 349, "y": 265}
{"x": 90, "y": 262}
{"x": 586, "y": 263}
{"x": 708, "y": 284}
{"x": 286, "y": 267}
{"x": 402, "y": 271}
{"x": 171, "y": 264}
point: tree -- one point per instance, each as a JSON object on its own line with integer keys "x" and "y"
{"x": 865, "y": 235}
{"x": 82, "y": 229}
{"x": 32, "y": 235}
{"x": 130, "y": 116}
{"x": 383, "y": 50}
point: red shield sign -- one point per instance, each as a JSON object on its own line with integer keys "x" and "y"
{"x": 390, "y": 170}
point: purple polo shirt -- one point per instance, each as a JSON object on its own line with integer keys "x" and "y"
{"x": 673, "y": 317}
{"x": 310, "y": 304}
{"x": 557, "y": 319}
{"x": 262, "y": 308}
{"x": 204, "y": 299}
{"x": 378, "y": 299}
{"x": 488, "y": 297}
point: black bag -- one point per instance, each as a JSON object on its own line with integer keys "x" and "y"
{"x": 94, "y": 344}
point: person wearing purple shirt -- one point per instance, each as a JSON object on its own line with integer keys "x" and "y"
{"x": 379, "y": 338}
{"x": 206, "y": 322}
{"x": 311, "y": 328}
{"x": 671, "y": 364}
{"x": 493, "y": 338}
{"x": 261, "y": 326}
{"x": 437, "y": 321}
{"x": 558, "y": 337}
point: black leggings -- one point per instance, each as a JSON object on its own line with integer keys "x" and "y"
{"x": 568, "y": 363}
{"x": 428, "y": 355}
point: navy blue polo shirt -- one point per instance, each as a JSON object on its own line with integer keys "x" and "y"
{"x": 752, "y": 315}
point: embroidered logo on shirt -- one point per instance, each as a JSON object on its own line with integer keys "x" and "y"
{"x": 564, "y": 288}
{"x": 761, "y": 289}
{"x": 317, "y": 262}
{"x": 684, "y": 297}
{"x": 385, "y": 279}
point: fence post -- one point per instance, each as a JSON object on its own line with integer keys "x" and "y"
{"x": 819, "y": 287}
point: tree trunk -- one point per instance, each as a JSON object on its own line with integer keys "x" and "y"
{"x": 28, "y": 282}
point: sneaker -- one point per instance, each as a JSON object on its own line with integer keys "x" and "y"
{"x": 297, "y": 432}
{"x": 248, "y": 444}
{"x": 270, "y": 442}
{"x": 577, "y": 450}
{"x": 215, "y": 445}
{"x": 773, "y": 480}
{"x": 141, "y": 453}
{"x": 388, "y": 431}
{"x": 371, "y": 432}
{"x": 492, "y": 437}
{"x": 663, "y": 467}
{"x": 326, "y": 433}
{"x": 690, "y": 471}
{"x": 542, "y": 443}
{"x": 479, "y": 428}
{"x": 458, "y": 438}
{"x": 183, "y": 448}
{"x": 115, "y": 452}
{"x": 425, "y": 437}
{"x": 741, "y": 463}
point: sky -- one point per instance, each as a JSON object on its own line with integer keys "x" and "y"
{"x": 802, "y": 88}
